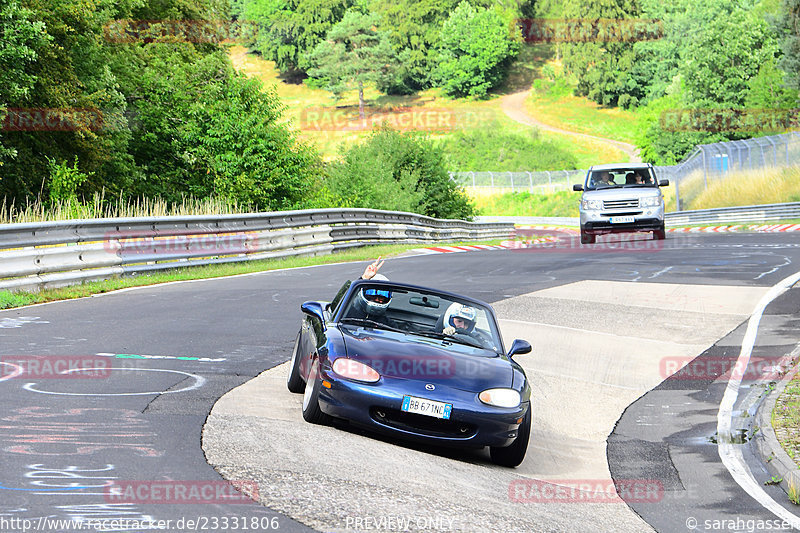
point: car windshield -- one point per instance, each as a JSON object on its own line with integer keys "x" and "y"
{"x": 428, "y": 314}
{"x": 621, "y": 177}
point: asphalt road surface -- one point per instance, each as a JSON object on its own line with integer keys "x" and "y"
{"x": 602, "y": 320}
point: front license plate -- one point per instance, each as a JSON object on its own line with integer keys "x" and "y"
{"x": 422, "y": 406}
{"x": 622, "y": 220}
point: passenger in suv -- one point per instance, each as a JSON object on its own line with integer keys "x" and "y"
{"x": 621, "y": 198}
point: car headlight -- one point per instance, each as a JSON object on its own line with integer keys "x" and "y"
{"x": 592, "y": 204}
{"x": 352, "y": 369}
{"x": 651, "y": 201}
{"x": 500, "y": 397}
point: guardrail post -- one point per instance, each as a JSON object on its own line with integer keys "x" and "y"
{"x": 491, "y": 177}
{"x": 530, "y": 176}
{"x": 473, "y": 178}
{"x": 510, "y": 177}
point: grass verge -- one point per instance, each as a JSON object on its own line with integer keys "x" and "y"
{"x": 17, "y": 299}
{"x": 753, "y": 187}
{"x": 757, "y": 187}
{"x": 785, "y": 419}
{"x": 553, "y": 103}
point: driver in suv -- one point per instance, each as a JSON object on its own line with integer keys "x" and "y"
{"x": 608, "y": 206}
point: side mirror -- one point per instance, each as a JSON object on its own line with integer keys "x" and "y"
{"x": 313, "y": 309}
{"x": 663, "y": 183}
{"x": 577, "y": 187}
{"x": 519, "y": 346}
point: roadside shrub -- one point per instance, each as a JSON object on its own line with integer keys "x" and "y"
{"x": 398, "y": 171}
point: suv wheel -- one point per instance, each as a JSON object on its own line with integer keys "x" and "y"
{"x": 660, "y": 234}
{"x": 587, "y": 238}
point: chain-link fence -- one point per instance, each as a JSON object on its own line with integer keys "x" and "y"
{"x": 706, "y": 163}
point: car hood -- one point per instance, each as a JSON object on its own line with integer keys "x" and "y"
{"x": 406, "y": 356}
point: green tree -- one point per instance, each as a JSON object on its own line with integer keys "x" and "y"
{"x": 475, "y": 51}
{"x": 21, "y": 37}
{"x": 402, "y": 171}
{"x": 766, "y": 90}
{"x": 720, "y": 60}
{"x": 604, "y": 69}
{"x": 789, "y": 28}
{"x": 414, "y": 28}
{"x": 353, "y": 54}
{"x": 64, "y": 181}
{"x": 290, "y": 29}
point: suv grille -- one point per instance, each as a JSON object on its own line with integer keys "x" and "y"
{"x": 620, "y": 204}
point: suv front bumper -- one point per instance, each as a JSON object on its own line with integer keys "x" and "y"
{"x": 599, "y": 222}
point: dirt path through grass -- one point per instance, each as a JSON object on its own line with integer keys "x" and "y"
{"x": 513, "y": 106}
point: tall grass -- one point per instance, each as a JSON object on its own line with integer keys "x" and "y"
{"x": 757, "y": 187}
{"x": 752, "y": 187}
{"x": 99, "y": 207}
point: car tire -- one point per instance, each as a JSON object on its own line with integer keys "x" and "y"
{"x": 588, "y": 238}
{"x": 513, "y": 454}
{"x": 294, "y": 381}
{"x": 311, "y": 411}
{"x": 660, "y": 234}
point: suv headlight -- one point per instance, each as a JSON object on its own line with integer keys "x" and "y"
{"x": 651, "y": 201}
{"x": 591, "y": 204}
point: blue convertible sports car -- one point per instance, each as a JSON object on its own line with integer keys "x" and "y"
{"x": 416, "y": 363}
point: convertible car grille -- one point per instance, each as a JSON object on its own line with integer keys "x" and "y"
{"x": 620, "y": 204}
{"x": 423, "y": 425}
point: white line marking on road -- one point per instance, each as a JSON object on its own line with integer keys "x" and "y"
{"x": 176, "y": 357}
{"x": 786, "y": 263}
{"x": 731, "y": 454}
{"x": 662, "y": 271}
{"x": 199, "y": 381}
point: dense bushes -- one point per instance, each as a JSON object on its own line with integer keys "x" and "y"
{"x": 492, "y": 148}
{"x": 398, "y": 171}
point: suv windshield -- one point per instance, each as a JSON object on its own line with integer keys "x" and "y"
{"x": 621, "y": 177}
{"x": 421, "y": 313}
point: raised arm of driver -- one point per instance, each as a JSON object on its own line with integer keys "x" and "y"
{"x": 372, "y": 269}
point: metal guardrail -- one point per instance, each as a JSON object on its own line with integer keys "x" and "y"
{"x": 53, "y": 254}
{"x": 750, "y": 213}
{"x": 720, "y": 215}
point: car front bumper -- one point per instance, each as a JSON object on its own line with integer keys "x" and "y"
{"x": 377, "y": 406}
{"x": 599, "y": 221}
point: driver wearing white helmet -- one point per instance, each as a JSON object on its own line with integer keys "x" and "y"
{"x": 461, "y": 319}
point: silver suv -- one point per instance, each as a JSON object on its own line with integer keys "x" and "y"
{"x": 621, "y": 198}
